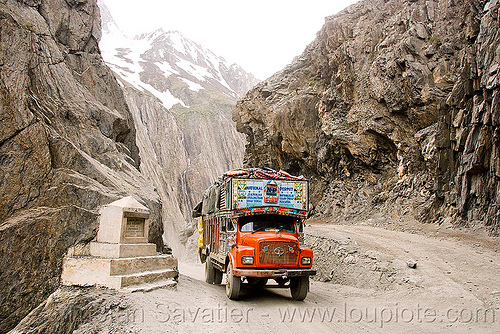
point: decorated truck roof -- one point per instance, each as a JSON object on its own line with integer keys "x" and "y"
{"x": 254, "y": 191}
{"x": 258, "y": 173}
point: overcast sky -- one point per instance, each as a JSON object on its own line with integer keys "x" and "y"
{"x": 262, "y": 36}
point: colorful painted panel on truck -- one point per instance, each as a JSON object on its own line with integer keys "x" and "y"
{"x": 255, "y": 193}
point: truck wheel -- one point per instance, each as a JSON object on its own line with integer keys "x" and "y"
{"x": 217, "y": 276}
{"x": 209, "y": 272}
{"x": 299, "y": 287}
{"x": 233, "y": 284}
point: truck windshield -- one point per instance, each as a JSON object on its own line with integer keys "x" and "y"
{"x": 267, "y": 223}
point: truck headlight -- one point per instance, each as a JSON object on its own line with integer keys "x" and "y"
{"x": 305, "y": 260}
{"x": 247, "y": 260}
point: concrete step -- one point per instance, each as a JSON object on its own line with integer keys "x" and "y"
{"x": 147, "y": 277}
{"x": 128, "y": 266}
{"x": 114, "y": 251}
{"x": 170, "y": 283}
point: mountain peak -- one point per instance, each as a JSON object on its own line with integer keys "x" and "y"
{"x": 159, "y": 60}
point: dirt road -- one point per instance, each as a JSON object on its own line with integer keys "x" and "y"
{"x": 454, "y": 288}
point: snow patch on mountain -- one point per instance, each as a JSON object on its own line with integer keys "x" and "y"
{"x": 174, "y": 55}
{"x": 192, "y": 85}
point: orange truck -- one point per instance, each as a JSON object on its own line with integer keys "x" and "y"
{"x": 251, "y": 225}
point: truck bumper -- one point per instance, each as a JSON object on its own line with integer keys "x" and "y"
{"x": 273, "y": 272}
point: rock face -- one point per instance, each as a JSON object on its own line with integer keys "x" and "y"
{"x": 67, "y": 145}
{"x": 181, "y": 154}
{"x": 392, "y": 112}
{"x": 80, "y": 310}
{"x": 180, "y": 95}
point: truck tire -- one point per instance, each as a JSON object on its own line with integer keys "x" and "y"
{"x": 209, "y": 272}
{"x": 233, "y": 284}
{"x": 299, "y": 286}
{"x": 217, "y": 276}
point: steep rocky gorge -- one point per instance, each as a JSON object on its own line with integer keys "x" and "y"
{"x": 67, "y": 145}
{"x": 73, "y": 138}
{"x": 392, "y": 112}
{"x": 182, "y": 152}
{"x": 180, "y": 95}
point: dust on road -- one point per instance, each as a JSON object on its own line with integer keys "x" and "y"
{"x": 455, "y": 288}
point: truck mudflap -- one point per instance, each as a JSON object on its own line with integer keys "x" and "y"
{"x": 273, "y": 272}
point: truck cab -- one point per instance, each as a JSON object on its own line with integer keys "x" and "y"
{"x": 255, "y": 235}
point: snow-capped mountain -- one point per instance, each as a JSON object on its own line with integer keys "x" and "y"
{"x": 180, "y": 95}
{"x": 154, "y": 61}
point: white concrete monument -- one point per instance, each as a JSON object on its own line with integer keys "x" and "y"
{"x": 121, "y": 256}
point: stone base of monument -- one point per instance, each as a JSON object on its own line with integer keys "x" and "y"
{"x": 121, "y": 258}
{"x": 106, "y": 250}
{"x": 127, "y": 274}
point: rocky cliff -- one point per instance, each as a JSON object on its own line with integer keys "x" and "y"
{"x": 392, "y": 112}
{"x": 67, "y": 145}
{"x": 182, "y": 152}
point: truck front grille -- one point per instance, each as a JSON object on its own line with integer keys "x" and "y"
{"x": 278, "y": 252}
